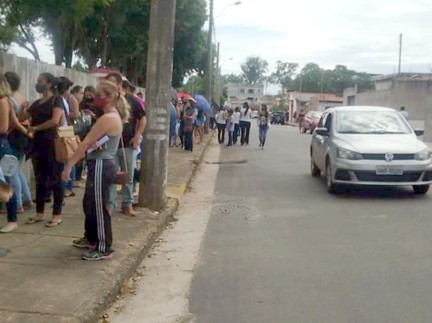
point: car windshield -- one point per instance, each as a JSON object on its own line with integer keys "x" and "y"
{"x": 371, "y": 122}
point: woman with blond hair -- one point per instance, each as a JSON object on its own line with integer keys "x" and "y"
{"x": 102, "y": 171}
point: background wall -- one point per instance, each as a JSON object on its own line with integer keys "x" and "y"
{"x": 29, "y": 71}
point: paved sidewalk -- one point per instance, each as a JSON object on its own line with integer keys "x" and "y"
{"x": 44, "y": 279}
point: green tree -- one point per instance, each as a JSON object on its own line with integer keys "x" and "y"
{"x": 283, "y": 75}
{"x": 190, "y": 46}
{"x": 313, "y": 78}
{"x": 254, "y": 70}
{"x": 232, "y": 78}
{"x": 19, "y": 20}
{"x": 195, "y": 85}
{"x": 109, "y": 33}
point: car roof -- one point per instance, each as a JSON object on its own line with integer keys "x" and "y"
{"x": 360, "y": 108}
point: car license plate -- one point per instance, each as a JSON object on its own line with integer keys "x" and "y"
{"x": 389, "y": 170}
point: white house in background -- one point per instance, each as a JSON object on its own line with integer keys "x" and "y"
{"x": 298, "y": 101}
{"x": 238, "y": 93}
{"x": 312, "y": 102}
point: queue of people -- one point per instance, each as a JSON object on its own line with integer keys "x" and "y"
{"x": 237, "y": 123}
{"x": 111, "y": 111}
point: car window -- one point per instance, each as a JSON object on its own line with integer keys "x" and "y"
{"x": 371, "y": 122}
{"x": 321, "y": 123}
{"x": 328, "y": 122}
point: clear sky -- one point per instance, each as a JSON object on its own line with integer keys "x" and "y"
{"x": 362, "y": 34}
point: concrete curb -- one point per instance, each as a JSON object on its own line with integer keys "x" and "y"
{"x": 114, "y": 281}
{"x": 182, "y": 188}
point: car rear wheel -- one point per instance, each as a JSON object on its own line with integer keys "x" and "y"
{"x": 421, "y": 189}
{"x": 315, "y": 171}
{"x": 331, "y": 187}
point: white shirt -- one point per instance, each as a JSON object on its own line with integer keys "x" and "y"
{"x": 246, "y": 116}
{"x": 404, "y": 114}
{"x": 220, "y": 117}
{"x": 236, "y": 117}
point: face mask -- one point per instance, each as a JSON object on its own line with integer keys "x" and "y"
{"x": 88, "y": 100}
{"x": 100, "y": 102}
{"x": 40, "y": 88}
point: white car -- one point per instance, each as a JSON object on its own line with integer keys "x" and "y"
{"x": 369, "y": 146}
{"x": 255, "y": 114}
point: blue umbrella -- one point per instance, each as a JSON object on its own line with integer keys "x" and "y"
{"x": 203, "y": 104}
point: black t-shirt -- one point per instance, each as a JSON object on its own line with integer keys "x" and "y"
{"x": 86, "y": 105}
{"x": 41, "y": 112}
{"x": 137, "y": 113}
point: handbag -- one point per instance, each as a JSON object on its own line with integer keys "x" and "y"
{"x": 65, "y": 144}
{"x": 122, "y": 177}
{"x": 9, "y": 165}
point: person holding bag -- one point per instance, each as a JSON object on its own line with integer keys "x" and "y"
{"x": 102, "y": 170}
{"x": 47, "y": 114}
{"x": 133, "y": 129}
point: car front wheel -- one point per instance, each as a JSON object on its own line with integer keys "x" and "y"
{"x": 421, "y": 189}
{"x": 315, "y": 171}
{"x": 331, "y": 187}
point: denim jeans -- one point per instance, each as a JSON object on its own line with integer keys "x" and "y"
{"x": 221, "y": 132}
{"x": 245, "y": 129}
{"x": 127, "y": 198}
{"x": 69, "y": 185}
{"x": 212, "y": 123}
{"x": 230, "y": 138}
{"x": 20, "y": 185}
{"x": 11, "y": 206}
{"x": 188, "y": 141}
{"x": 263, "y": 134}
{"x": 236, "y": 133}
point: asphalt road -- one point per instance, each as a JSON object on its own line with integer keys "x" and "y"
{"x": 279, "y": 248}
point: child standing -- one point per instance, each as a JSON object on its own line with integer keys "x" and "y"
{"x": 230, "y": 127}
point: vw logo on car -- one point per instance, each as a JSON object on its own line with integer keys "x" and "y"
{"x": 389, "y": 157}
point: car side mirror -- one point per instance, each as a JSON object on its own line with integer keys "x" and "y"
{"x": 419, "y": 132}
{"x": 322, "y": 132}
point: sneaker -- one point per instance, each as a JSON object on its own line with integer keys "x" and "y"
{"x": 96, "y": 255}
{"x": 10, "y": 227}
{"x": 83, "y": 243}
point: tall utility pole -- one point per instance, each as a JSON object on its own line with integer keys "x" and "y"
{"x": 154, "y": 165}
{"x": 218, "y": 77}
{"x": 400, "y": 54}
{"x": 210, "y": 55}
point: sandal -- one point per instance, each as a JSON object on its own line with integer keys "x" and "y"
{"x": 71, "y": 194}
{"x": 53, "y": 224}
{"x": 34, "y": 220}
